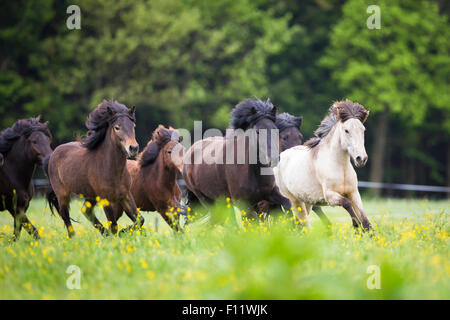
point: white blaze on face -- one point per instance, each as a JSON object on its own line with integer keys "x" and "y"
{"x": 352, "y": 140}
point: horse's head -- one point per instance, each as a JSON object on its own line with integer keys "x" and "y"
{"x": 122, "y": 132}
{"x": 39, "y": 143}
{"x": 289, "y": 130}
{"x": 351, "y": 130}
{"x": 268, "y": 148}
{"x": 256, "y": 116}
{"x": 166, "y": 142}
{"x": 173, "y": 151}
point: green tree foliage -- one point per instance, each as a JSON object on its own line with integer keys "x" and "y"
{"x": 176, "y": 60}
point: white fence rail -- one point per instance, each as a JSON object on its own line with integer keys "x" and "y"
{"x": 40, "y": 183}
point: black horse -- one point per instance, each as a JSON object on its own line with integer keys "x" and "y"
{"x": 213, "y": 167}
{"x": 23, "y": 146}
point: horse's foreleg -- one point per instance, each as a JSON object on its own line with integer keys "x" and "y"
{"x": 335, "y": 199}
{"x": 300, "y": 211}
{"x": 89, "y": 205}
{"x": 112, "y": 214}
{"x": 129, "y": 206}
{"x": 355, "y": 198}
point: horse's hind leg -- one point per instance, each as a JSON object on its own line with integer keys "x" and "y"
{"x": 32, "y": 231}
{"x": 89, "y": 205}
{"x": 63, "y": 210}
{"x": 322, "y": 216}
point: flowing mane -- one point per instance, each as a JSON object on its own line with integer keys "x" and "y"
{"x": 339, "y": 111}
{"x": 160, "y": 137}
{"x": 21, "y": 128}
{"x": 99, "y": 120}
{"x": 248, "y": 112}
{"x": 286, "y": 120}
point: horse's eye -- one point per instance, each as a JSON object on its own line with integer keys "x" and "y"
{"x": 346, "y": 131}
{"x": 117, "y": 128}
{"x": 169, "y": 152}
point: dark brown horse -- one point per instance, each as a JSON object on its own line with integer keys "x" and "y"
{"x": 96, "y": 166}
{"x": 23, "y": 147}
{"x": 154, "y": 176}
{"x": 240, "y": 178}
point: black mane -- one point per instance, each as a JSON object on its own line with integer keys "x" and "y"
{"x": 160, "y": 137}
{"x": 285, "y": 120}
{"x": 248, "y": 112}
{"x": 100, "y": 119}
{"x": 24, "y": 127}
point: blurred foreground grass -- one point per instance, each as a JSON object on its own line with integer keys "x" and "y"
{"x": 270, "y": 260}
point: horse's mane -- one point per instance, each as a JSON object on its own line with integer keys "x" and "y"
{"x": 248, "y": 112}
{"x": 99, "y": 120}
{"x": 160, "y": 137}
{"x": 286, "y": 120}
{"x": 24, "y": 127}
{"x": 339, "y": 111}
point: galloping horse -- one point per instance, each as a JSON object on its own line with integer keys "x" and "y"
{"x": 241, "y": 180}
{"x": 22, "y": 147}
{"x": 154, "y": 177}
{"x": 320, "y": 172}
{"x": 96, "y": 166}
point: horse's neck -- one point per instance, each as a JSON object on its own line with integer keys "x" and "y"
{"x": 334, "y": 151}
{"x": 21, "y": 163}
{"x": 112, "y": 158}
{"x": 161, "y": 173}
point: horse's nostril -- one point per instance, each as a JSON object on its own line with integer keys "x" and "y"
{"x": 134, "y": 149}
{"x": 358, "y": 159}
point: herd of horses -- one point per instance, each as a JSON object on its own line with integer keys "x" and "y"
{"x": 99, "y": 166}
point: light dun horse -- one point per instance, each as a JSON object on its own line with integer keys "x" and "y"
{"x": 320, "y": 172}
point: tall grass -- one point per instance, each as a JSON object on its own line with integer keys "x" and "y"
{"x": 274, "y": 259}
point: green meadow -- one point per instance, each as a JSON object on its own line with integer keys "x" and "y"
{"x": 406, "y": 257}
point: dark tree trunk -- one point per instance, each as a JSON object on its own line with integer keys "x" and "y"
{"x": 379, "y": 150}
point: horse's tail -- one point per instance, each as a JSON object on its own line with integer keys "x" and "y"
{"x": 51, "y": 195}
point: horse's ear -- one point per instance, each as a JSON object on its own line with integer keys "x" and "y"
{"x": 366, "y": 115}
{"x": 38, "y": 118}
{"x": 298, "y": 121}
{"x": 132, "y": 110}
{"x": 110, "y": 111}
{"x": 274, "y": 110}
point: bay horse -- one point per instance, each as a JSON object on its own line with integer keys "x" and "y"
{"x": 240, "y": 179}
{"x": 154, "y": 177}
{"x": 320, "y": 172}
{"x": 22, "y": 147}
{"x": 95, "y": 167}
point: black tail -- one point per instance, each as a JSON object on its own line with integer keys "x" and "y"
{"x": 51, "y": 195}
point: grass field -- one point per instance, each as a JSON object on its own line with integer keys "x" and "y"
{"x": 270, "y": 260}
